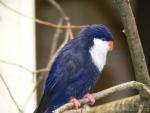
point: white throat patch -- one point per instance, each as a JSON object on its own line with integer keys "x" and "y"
{"x": 99, "y": 52}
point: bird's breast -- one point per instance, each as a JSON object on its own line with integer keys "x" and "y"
{"x": 98, "y": 53}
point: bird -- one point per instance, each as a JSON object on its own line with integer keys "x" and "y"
{"x": 77, "y": 67}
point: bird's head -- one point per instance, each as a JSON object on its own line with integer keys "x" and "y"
{"x": 100, "y": 33}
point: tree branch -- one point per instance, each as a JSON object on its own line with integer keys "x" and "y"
{"x": 132, "y": 84}
{"x": 125, "y": 105}
{"x": 135, "y": 46}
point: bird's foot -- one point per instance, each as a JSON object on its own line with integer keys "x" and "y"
{"x": 76, "y": 102}
{"x": 90, "y": 97}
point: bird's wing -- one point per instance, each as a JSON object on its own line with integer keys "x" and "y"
{"x": 64, "y": 70}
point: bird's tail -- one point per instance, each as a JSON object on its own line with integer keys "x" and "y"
{"x": 43, "y": 106}
{"x": 46, "y": 111}
{"x": 47, "y": 106}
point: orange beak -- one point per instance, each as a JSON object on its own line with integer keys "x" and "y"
{"x": 111, "y": 45}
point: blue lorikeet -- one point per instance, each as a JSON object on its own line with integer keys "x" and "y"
{"x": 77, "y": 67}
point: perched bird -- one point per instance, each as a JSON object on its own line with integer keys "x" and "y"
{"x": 77, "y": 68}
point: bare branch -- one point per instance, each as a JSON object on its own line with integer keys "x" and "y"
{"x": 63, "y": 15}
{"x": 60, "y": 10}
{"x": 60, "y": 47}
{"x": 132, "y": 84}
{"x": 41, "y": 71}
{"x": 135, "y": 46}
{"x": 46, "y": 23}
{"x": 26, "y": 69}
{"x": 10, "y": 94}
{"x": 70, "y": 31}
{"x": 56, "y": 38}
{"x": 125, "y": 105}
{"x": 15, "y": 64}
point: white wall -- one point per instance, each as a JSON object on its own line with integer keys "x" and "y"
{"x": 17, "y": 44}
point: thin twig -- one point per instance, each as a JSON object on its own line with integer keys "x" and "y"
{"x": 60, "y": 47}
{"x": 70, "y": 31}
{"x": 41, "y": 71}
{"x": 60, "y": 9}
{"x": 15, "y": 64}
{"x": 10, "y": 94}
{"x": 132, "y": 84}
{"x": 71, "y": 34}
{"x": 55, "y": 38}
{"x": 26, "y": 69}
{"x": 63, "y": 15}
{"x": 39, "y": 21}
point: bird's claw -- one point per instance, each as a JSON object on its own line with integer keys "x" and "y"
{"x": 90, "y": 97}
{"x": 76, "y": 102}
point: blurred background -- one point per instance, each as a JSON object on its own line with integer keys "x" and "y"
{"x": 28, "y": 44}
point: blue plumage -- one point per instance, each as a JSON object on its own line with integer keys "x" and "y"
{"x": 73, "y": 72}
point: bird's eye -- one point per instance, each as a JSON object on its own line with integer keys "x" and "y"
{"x": 103, "y": 39}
